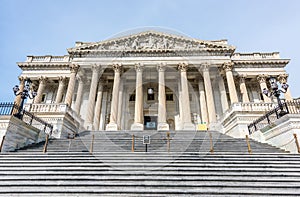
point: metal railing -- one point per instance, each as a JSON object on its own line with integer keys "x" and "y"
{"x": 25, "y": 116}
{"x": 288, "y": 107}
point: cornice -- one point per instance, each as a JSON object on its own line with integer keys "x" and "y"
{"x": 151, "y": 53}
{"x": 43, "y": 66}
{"x": 277, "y": 61}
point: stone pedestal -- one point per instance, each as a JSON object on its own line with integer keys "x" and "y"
{"x": 137, "y": 127}
{"x": 188, "y": 126}
{"x": 162, "y": 126}
{"x": 111, "y": 127}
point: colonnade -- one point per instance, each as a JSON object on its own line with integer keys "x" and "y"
{"x": 206, "y": 94}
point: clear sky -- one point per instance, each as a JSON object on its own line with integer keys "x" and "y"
{"x": 49, "y": 27}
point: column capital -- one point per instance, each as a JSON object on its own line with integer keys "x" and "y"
{"x": 22, "y": 79}
{"x": 96, "y": 67}
{"x": 161, "y": 67}
{"x": 43, "y": 79}
{"x": 74, "y": 68}
{"x": 227, "y": 66}
{"x": 203, "y": 67}
{"x": 282, "y": 78}
{"x": 183, "y": 67}
{"x": 262, "y": 78}
{"x": 139, "y": 67}
{"x": 117, "y": 67}
{"x": 242, "y": 78}
{"x": 62, "y": 79}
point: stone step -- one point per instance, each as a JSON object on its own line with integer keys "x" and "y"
{"x": 150, "y": 190}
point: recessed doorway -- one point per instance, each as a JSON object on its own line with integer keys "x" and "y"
{"x": 150, "y": 122}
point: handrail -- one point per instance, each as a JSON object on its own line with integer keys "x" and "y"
{"x": 25, "y": 116}
{"x": 287, "y": 107}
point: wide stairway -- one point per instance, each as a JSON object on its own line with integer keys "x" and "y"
{"x": 183, "y": 163}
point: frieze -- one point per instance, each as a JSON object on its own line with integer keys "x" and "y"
{"x": 154, "y": 53}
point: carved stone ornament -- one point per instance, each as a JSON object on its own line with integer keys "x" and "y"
{"x": 282, "y": 78}
{"x": 62, "y": 80}
{"x": 183, "y": 67}
{"x": 74, "y": 68}
{"x": 204, "y": 67}
{"x": 242, "y": 78}
{"x": 151, "y": 41}
{"x": 96, "y": 67}
{"x": 139, "y": 67}
{"x": 262, "y": 78}
{"x": 117, "y": 67}
{"x": 228, "y": 66}
{"x": 43, "y": 79}
{"x": 22, "y": 79}
{"x": 161, "y": 67}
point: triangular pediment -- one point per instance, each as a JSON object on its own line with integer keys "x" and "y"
{"x": 151, "y": 41}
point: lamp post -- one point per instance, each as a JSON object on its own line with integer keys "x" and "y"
{"x": 24, "y": 95}
{"x": 276, "y": 92}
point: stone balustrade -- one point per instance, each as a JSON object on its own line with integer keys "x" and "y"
{"x": 248, "y": 107}
{"x": 52, "y": 108}
{"x": 48, "y": 58}
{"x": 254, "y": 56}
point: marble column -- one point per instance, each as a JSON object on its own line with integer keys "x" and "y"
{"x": 21, "y": 88}
{"x": 282, "y": 78}
{"x": 209, "y": 93}
{"x": 92, "y": 97}
{"x": 112, "y": 125}
{"x": 262, "y": 81}
{"x": 120, "y": 105}
{"x": 71, "y": 85}
{"x": 162, "y": 109}
{"x": 231, "y": 85}
{"x": 98, "y": 105}
{"x": 186, "y": 111}
{"x": 60, "y": 90}
{"x": 79, "y": 94}
{"x": 41, "y": 89}
{"x": 223, "y": 94}
{"x": 202, "y": 99}
{"x": 178, "y": 121}
{"x": 243, "y": 89}
{"x": 138, "y": 110}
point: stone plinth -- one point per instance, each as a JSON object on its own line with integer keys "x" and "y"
{"x": 111, "y": 127}
{"x": 162, "y": 126}
{"x": 137, "y": 127}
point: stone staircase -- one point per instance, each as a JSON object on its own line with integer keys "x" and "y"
{"x": 68, "y": 169}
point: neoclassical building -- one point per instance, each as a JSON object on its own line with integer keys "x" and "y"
{"x": 152, "y": 80}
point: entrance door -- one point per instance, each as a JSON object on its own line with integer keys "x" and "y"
{"x": 150, "y": 122}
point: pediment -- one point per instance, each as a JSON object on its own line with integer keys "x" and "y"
{"x": 151, "y": 41}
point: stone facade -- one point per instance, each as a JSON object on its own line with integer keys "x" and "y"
{"x": 154, "y": 80}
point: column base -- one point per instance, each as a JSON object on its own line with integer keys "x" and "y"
{"x": 111, "y": 127}
{"x": 188, "y": 126}
{"x": 88, "y": 126}
{"x": 162, "y": 126}
{"x": 137, "y": 127}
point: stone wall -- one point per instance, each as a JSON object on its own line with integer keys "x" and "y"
{"x": 18, "y": 134}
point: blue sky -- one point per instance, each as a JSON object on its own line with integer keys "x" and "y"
{"x": 35, "y": 27}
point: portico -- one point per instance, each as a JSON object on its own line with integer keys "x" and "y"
{"x": 192, "y": 81}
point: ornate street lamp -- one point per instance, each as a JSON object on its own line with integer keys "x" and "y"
{"x": 276, "y": 92}
{"x": 24, "y": 95}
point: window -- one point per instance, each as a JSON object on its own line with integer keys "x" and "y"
{"x": 169, "y": 97}
{"x": 132, "y": 97}
{"x": 43, "y": 98}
